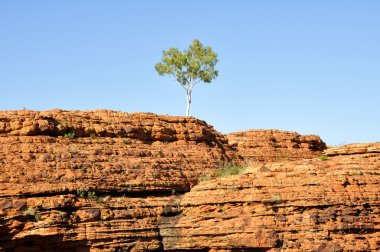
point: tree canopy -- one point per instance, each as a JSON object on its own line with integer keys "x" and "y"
{"x": 196, "y": 64}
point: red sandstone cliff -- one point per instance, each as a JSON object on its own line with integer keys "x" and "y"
{"x": 105, "y": 189}
{"x": 128, "y": 182}
{"x": 322, "y": 204}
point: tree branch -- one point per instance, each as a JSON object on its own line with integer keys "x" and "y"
{"x": 175, "y": 81}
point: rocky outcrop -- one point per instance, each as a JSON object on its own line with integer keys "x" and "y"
{"x": 71, "y": 222}
{"x": 97, "y": 179}
{"x": 321, "y": 204}
{"x": 275, "y": 145}
{"x": 146, "y": 127}
{"x": 350, "y": 149}
{"x": 112, "y": 181}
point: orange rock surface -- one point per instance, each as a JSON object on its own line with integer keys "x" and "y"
{"x": 320, "y": 204}
{"x": 275, "y": 145}
{"x": 97, "y": 179}
{"x": 111, "y": 181}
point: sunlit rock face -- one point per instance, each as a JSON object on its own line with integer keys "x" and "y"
{"x": 111, "y": 181}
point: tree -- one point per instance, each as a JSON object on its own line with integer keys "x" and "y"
{"x": 189, "y": 67}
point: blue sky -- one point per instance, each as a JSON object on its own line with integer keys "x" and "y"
{"x": 306, "y": 66}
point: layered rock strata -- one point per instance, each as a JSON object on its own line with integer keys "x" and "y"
{"x": 330, "y": 203}
{"x": 275, "y": 145}
{"x": 112, "y": 181}
{"x": 97, "y": 179}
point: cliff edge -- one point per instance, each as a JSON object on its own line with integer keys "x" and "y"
{"x": 111, "y": 181}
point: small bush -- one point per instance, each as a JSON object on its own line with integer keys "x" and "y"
{"x": 126, "y": 141}
{"x": 323, "y": 158}
{"x": 72, "y": 149}
{"x": 91, "y": 194}
{"x": 355, "y": 173}
{"x": 231, "y": 169}
{"x": 100, "y": 200}
{"x": 283, "y": 159}
{"x": 83, "y": 193}
{"x": 70, "y": 135}
{"x": 33, "y": 212}
{"x": 276, "y": 198}
{"x": 205, "y": 177}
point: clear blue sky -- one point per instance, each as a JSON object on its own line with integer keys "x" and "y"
{"x": 306, "y": 66}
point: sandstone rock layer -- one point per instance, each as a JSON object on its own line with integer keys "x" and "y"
{"x": 321, "y": 204}
{"x": 111, "y": 181}
{"x": 275, "y": 145}
{"x": 97, "y": 179}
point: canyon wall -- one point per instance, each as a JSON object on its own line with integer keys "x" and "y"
{"x": 98, "y": 180}
{"x": 330, "y": 203}
{"x": 112, "y": 181}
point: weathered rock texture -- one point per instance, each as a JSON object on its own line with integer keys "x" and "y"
{"x": 106, "y": 188}
{"x": 350, "y": 149}
{"x": 321, "y": 204}
{"x": 127, "y": 182}
{"x": 275, "y": 145}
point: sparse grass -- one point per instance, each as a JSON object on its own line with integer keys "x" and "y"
{"x": 228, "y": 169}
{"x": 126, "y": 141}
{"x": 231, "y": 169}
{"x": 34, "y": 212}
{"x": 276, "y": 198}
{"x": 323, "y": 157}
{"x": 72, "y": 149}
{"x": 84, "y": 193}
{"x": 177, "y": 202}
{"x": 355, "y": 173}
{"x": 91, "y": 194}
{"x": 205, "y": 177}
{"x": 283, "y": 159}
{"x": 222, "y": 211}
{"x": 100, "y": 200}
{"x": 70, "y": 135}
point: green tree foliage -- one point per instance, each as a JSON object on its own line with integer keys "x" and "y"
{"x": 189, "y": 67}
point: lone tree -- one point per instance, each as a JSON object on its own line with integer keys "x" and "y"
{"x": 189, "y": 67}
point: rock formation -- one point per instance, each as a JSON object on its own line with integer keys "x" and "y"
{"x": 97, "y": 179}
{"x": 330, "y": 203}
{"x": 275, "y": 145}
{"x": 112, "y": 181}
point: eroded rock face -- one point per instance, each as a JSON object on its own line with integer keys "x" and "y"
{"x": 128, "y": 182}
{"x": 106, "y": 123}
{"x": 107, "y": 188}
{"x": 315, "y": 204}
{"x": 350, "y": 149}
{"x": 71, "y": 223}
{"x": 275, "y": 145}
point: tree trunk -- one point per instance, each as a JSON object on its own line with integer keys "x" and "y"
{"x": 188, "y": 99}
